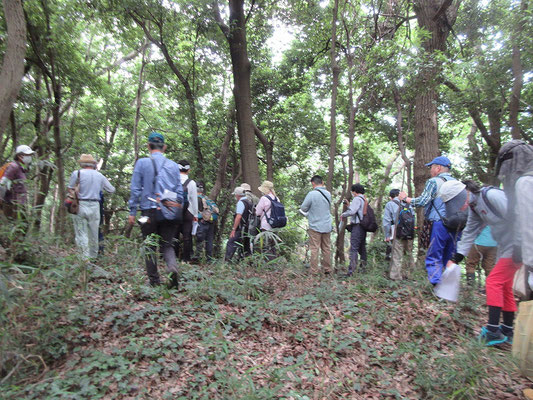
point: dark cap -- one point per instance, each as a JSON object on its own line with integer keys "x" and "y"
{"x": 156, "y": 137}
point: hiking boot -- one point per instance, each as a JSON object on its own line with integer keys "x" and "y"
{"x": 491, "y": 338}
{"x": 509, "y": 332}
{"x": 174, "y": 281}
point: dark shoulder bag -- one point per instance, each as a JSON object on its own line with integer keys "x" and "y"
{"x": 72, "y": 202}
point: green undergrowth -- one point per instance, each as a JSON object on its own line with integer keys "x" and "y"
{"x": 243, "y": 331}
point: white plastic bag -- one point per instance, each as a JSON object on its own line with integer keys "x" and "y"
{"x": 449, "y": 284}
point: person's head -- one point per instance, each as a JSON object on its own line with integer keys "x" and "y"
{"x": 246, "y": 187}
{"x": 357, "y": 188}
{"x": 394, "y": 193}
{"x": 472, "y": 186}
{"x": 266, "y": 187}
{"x": 23, "y": 154}
{"x": 200, "y": 187}
{"x": 439, "y": 165}
{"x": 87, "y": 161}
{"x": 317, "y": 181}
{"x": 156, "y": 142}
{"x": 184, "y": 166}
{"x": 238, "y": 193}
{"x": 514, "y": 159}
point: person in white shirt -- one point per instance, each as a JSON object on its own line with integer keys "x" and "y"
{"x": 184, "y": 247}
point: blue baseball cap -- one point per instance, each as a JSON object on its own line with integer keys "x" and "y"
{"x": 440, "y": 160}
{"x": 156, "y": 137}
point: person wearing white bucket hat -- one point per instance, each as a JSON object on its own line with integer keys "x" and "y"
{"x": 13, "y": 189}
{"x": 487, "y": 206}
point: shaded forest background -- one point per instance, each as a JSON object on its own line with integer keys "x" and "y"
{"x": 358, "y": 91}
{"x": 355, "y": 90}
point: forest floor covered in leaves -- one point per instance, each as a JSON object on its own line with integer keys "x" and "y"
{"x": 243, "y": 332}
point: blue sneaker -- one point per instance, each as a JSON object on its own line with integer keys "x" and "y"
{"x": 507, "y": 332}
{"x": 492, "y": 338}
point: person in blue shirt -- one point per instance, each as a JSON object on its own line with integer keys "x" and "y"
{"x": 156, "y": 189}
{"x": 484, "y": 250}
{"x": 242, "y": 211}
{"x": 442, "y": 242}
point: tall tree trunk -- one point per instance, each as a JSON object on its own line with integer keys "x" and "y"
{"x": 436, "y": 17}
{"x": 223, "y": 156}
{"x": 518, "y": 73}
{"x": 13, "y": 64}
{"x": 268, "y": 145}
{"x": 401, "y": 141}
{"x": 236, "y": 36}
{"x": 335, "y": 70}
{"x": 59, "y": 157}
{"x": 138, "y": 99}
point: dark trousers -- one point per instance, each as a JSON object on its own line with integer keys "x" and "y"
{"x": 205, "y": 237}
{"x": 183, "y": 246}
{"x": 357, "y": 247}
{"x": 234, "y": 243}
{"x": 167, "y": 231}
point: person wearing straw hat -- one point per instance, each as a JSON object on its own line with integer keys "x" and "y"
{"x": 263, "y": 211}
{"x": 87, "y": 221}
{"x": 13, "y": 191}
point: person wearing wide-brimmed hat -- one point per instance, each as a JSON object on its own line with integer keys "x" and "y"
{"x": 87, "y": 221}
{"x": 441, "y": 243}
{"x": 263, "y": 211}
{"x": 13, "y": 184}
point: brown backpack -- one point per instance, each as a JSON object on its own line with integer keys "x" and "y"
{"x": 72, "y": 202}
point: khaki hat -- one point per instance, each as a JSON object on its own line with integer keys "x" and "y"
{"x": 266, "y": 187}
{"x": 87, "y": 159}
{"x": 247, "y": 187}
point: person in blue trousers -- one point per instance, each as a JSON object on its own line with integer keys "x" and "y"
{"x": 443, "y": 243}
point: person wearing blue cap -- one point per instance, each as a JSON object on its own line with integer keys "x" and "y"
{"x": 156, "y": 189}
{"x": 442, "y": 242}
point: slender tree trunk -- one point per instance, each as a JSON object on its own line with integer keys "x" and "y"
{"x": 235, "y": 34}
{"x": 51, "y": 226}
{"x": 13, "y": 64}
{"x": 399, "y": 131}
{"x": 138, "y": 99}
{"x": 268, "y": 145}
{"x": 335, "y": 70}
{"x": 223, "y": 156}
{"x": 518, "y": 73}
{"x": 60, "y": 169}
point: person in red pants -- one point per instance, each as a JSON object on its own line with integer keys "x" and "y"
{"x": 488, "y": 206}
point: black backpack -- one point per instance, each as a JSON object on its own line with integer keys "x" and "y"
{"x": 277, "y": 217}
{"x": 405, "y": 226}
{"x": 368, "y": 223}
{"x": 186, "y": 194}
{"x": 253, "y": 226}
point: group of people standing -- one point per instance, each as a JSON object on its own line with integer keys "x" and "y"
{"x": 497, "y": 223}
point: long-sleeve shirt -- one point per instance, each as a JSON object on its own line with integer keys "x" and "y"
{"x": 263, "y": 210}
{"x": 15, "y": 181}
{"x": 92, "y": 183}
{"x": 429, "y": 197}
{"x": 355, "y": 211}
{"x": 142, "y": 181}
{"x": 192, "y": 194}
{"x": 318, "y": 209}
{"x": 483, "y": 215}
{"x": 390, "y": 215}
{"x": 524, "y": 217}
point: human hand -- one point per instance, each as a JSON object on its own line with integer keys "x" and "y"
{"x": 131, "y": 219}
{"x": 232, "y": 234}
{"x": 402, "y": 196}
{"x": 387, "y": 239}
{"x": 195, "y": 219}
{"x": 449, "y": 263}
